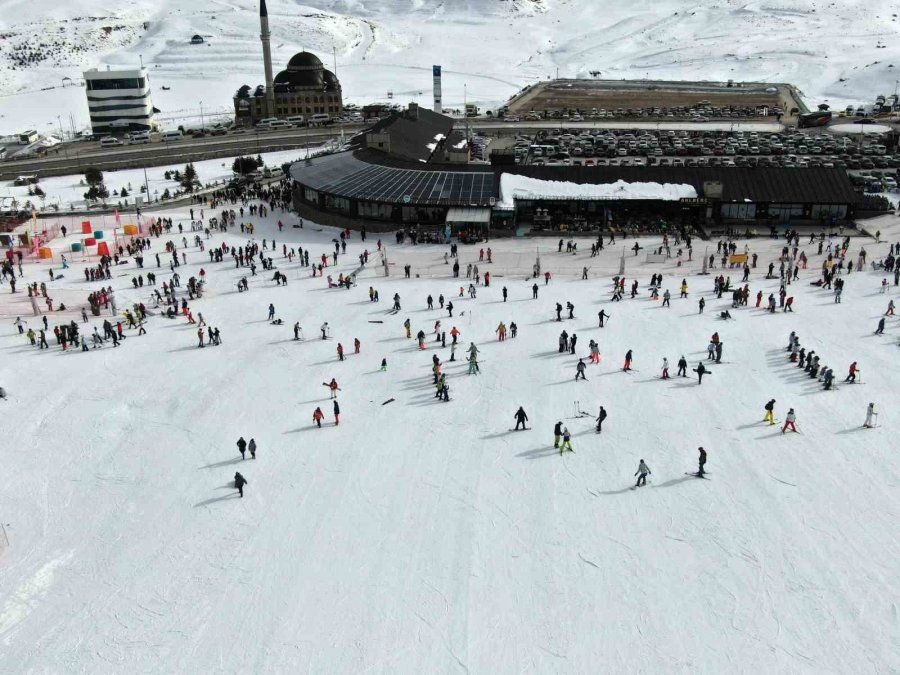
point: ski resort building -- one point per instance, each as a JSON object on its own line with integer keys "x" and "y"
{"x": 118, "y": 100}
{"x": 304, "y": 88}
{"x": 411, "y": 171}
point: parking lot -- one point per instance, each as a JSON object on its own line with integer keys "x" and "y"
{"x": 600, "y": 99}
{"x": 607, "y": 147}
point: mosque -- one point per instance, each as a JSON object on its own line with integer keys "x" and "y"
{"x": 304, "y": 88}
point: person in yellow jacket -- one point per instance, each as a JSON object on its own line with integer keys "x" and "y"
{"x": 684, "y": 288}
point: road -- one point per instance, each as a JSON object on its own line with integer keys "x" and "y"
{"x": 74, "y": 158}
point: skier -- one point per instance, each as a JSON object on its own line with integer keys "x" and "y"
{"x": 770, "y": 412}
{"x": 252, "y": 448}
{"x": 340, "y": 351}
{"x": 702, "y": 304}
{"x": 642, "y": 472}
{"x": 603, "y": 315}
{"x": 318, "y": 416}
{"x": 521, "y": 418}
{"x": 702, "y": 461}
{"x": 665, "y": 368}
{"x": 566, "y": 442}
{"x": 242, "y": 447}
{"x": 790, "y": 421}
{"x": 682, "y": 366}
{"x": 571, "y": 309}
{"x": 408, "y": 326}
{"x": 666, "y": 298}
{"x": 557, "y": 434}
{"x": 870, "y": 414}
{"x": 324, "y": 328}
{"x": 559, "y": 309}
{"x": 271, "y": 311}
{"x": 504, "y": 294}
{"x": 579, "y": 370}
{"x": 880, "y": 329}
{"x": 572, "y": 343}
{"x": 356, "y": 345}
{"x": 851, "y": 377}
{"x": 600, "y": 418}
{"x": 627, "y": 365}
{"x": 337, "y": 413}
{"x": 239, "y": 482}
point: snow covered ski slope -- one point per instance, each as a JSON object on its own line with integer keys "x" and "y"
{"x": 425, "y": 536}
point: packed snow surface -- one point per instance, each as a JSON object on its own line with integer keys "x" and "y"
{"x": 420, "y": 536}
{"x": 837, "y": 52}
{"x": 513, "y": 186}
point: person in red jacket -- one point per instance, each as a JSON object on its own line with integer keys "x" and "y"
{"x": 318, "y": 416}
{"x": 340, "y": 351}
{"x": 851, "y": 377}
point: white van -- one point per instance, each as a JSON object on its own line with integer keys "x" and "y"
{"x": 110, "y": 142}
{"x": 279, "y": 124}
{"x": 296, "y": 120}
{"x": 320, "y": 118}
{"x": 172, "y": 135}
{"x": 139, "y": 137}
{"x": 264, "y": 123}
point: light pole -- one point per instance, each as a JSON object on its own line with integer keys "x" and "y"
{"x": 201, "y": 116}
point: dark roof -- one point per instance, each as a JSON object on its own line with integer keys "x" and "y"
{"x": 304, "y": 61}
{"x": 346, "y": 175}
{"x": 775, "y": 185}
{"x": 410, "y": 137}
{"x": 303, "y": 78}
{"x": 377, "y": 176}
{"x": 330, "y": 80}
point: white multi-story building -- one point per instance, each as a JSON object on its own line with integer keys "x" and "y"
{"x": 118, "y": 100}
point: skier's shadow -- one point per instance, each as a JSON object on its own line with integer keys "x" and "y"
{"x": 850, "y": 431}
{"x": 537, "y": 453}
{"x": 614, "y": 492}
{"x": 225, "y": 462}
{"x": 675, "y": 481}
{"x": 213, "y": 500}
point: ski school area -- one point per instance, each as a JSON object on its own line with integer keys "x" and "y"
{"x": 424, "y": 532}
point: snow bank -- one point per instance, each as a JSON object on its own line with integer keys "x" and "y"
{"x": 514, "y": 187}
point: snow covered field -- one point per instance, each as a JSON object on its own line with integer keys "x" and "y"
{"x": 840, "y": 52}
{"x": 68, "y": 191}
{"x": 421, "y": 536}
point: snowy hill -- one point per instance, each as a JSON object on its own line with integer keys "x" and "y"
{"x": 839, "y": 52}
{"x": 424, "y": 536}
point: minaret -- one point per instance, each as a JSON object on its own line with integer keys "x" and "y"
{"x": 267, "y": 58}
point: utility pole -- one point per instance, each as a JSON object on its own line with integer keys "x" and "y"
{"x": 201, "y": 115}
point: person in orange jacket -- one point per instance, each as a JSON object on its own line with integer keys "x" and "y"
{"x": 340, "y": 351}
{"x": 318, "y": 416}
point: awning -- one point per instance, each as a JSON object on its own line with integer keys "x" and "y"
{"x": 468, "y": 214}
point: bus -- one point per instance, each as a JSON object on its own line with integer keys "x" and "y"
{"x": 814, "y": 119}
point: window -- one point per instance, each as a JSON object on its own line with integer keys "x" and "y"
{"x": 124, "y": 83}
{"x": 334, "y": 203}
{"x": 829, "y": 210}
{"x": 310, "y": 195}
{"x": 785, "y": 211}
{"x": 374, "y": 210}
{"x": 739, "y": 211}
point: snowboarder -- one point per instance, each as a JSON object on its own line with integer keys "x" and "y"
{"x": 870, "y": 414}
{"x": 521, "y": 418}
{"x": 700, "y": 370}
{"x": 682, "y": 366}
{"x": 880, "y": 329}
{"x": 600, "y": 418}
{"x": 242, "y": 447}
{"x": 770, "y": 412}
{"x": 239, "y": 482}
{"x": 252, "y": 448}
{"x": 642, "y": 472}
{"x": 702, "y": 461}
{"x": 790, "y": 421}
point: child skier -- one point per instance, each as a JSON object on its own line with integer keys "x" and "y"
{"x": 567, "y": 441}
{"x": 790, "y": 421}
